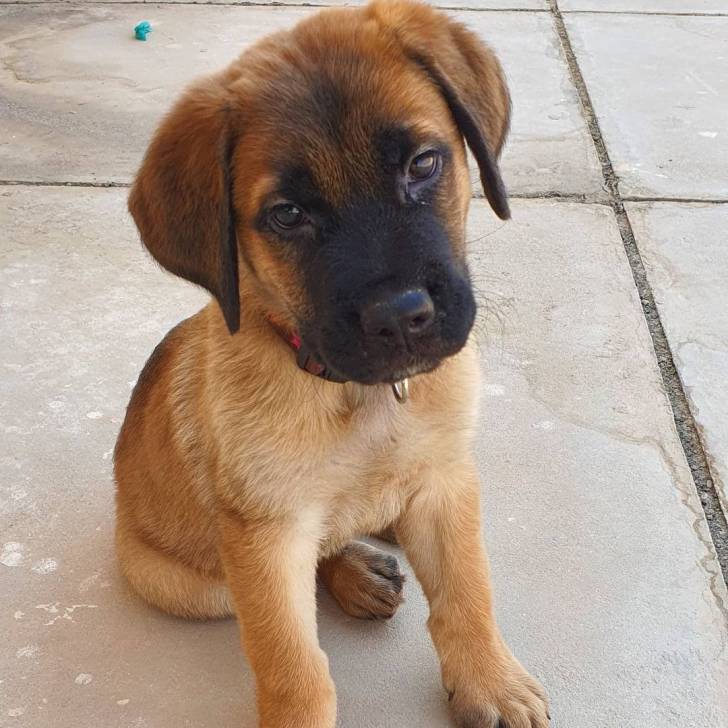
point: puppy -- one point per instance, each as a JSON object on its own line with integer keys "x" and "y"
{"x": 318, "y": 188}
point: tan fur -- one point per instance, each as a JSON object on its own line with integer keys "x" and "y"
{"x": 238, "y": 473}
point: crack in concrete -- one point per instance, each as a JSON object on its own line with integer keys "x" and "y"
{"x": 718, "y": 348}
{"x": 685, "y": 424}
{"x": 676, "y": 473}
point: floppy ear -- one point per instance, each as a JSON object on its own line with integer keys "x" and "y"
{"x": 181, "y": 200}
{"x": 470, "y": 79}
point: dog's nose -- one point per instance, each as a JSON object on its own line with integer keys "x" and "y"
{"x": 398, "y": 316}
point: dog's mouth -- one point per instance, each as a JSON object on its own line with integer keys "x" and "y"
{"x": 351, "y": 366}
{"x": 386, "y": 375}
{"x": 361, "y": 366}
{"x": 392, "y": 336}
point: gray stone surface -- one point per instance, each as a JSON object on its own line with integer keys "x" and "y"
{"x": 659, "y": 85}
{"x": 81, "y": 96}
{"x": 647, "y": 6}
{"x": 606, "y": 582}
{"x": 685, "y": 254}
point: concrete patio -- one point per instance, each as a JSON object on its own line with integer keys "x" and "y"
{"x": 603, "y": 442}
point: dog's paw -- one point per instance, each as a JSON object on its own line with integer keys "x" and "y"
{"x": 365, "y": 581}
{"x": 516, "y": 700}
{"x": 314, "y": 707}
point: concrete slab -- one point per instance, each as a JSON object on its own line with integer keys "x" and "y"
{"x": 658, "y": 85}
{"x": 82, "y": 97}
{"x": 549, "y": 148}
{"x": 684, "y": 251}
{"x": 681, "y": 7}
{"x": 607, "y": 585}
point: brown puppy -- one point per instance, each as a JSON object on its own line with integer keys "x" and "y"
{"x": 318, "y": 188}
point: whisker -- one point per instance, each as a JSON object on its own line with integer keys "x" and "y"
{"x": 473, "y": 241}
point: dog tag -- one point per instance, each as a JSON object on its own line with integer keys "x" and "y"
{"x": 401, "y": 391}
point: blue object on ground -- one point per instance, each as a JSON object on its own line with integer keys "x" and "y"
{"x": 142, "y": 30}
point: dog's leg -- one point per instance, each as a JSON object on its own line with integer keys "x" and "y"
{"x": 365, "y": 581}
{"x": 270, "y": 566}
{"x": 440, "y": 532}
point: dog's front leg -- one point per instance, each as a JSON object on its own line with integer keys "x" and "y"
{"x": 270, "y": 566}
{"x": 440, "y": 532}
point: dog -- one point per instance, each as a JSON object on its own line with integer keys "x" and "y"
{"x": 318, "y": 188}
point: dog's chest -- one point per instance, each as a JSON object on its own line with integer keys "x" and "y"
{"x": 365, "y": 478}
{"x": 381, "y": 436}
{"x": 358, "y": 473}
{"x": 352, "y": 462}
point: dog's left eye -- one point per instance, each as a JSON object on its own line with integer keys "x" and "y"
{"x": 287, "y": 216}
{"x": 424, "y": 165}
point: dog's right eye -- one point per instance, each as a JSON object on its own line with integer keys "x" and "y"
{"x": 287, "y": 216}
{"x": 423, "y": 166}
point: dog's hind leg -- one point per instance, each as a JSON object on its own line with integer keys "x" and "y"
{"x": 365, "y": 581}
{"x": 387, "y": 534}
{"x": 169, "y": 585}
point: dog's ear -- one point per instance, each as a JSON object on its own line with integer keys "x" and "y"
{"x": 182, "y": 199}
{"x": 469, "y": 77}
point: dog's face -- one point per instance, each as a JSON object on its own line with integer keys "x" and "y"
{"x": 357, "y": 232}
{"x": 324, "y": 175}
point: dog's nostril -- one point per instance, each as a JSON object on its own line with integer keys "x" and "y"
{"x": 407, "y": 313}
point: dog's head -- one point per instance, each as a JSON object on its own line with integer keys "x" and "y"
{"x": 323, "y": 179}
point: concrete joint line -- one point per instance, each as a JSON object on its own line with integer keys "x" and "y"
{"x": 684, "y": 422}
{"x": 254, "y": 4}
{"x": 577, "y": 197}
{"x": 646, "y": 12}
{"x": 324, "y": 4}
{"x": 51, "y": 183}
{"x": 684, "y": 200}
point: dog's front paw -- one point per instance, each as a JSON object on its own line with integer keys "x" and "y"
{"x": 513, "y": 699}
{"x": 312, "y": 707}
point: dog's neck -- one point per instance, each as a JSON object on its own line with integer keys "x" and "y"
{"x": 307, "y": 361}
{"x": 305, "y": 358}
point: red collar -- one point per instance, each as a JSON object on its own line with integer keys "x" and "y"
{"x": 307, "y": 361}
{"x": 305, "y": 358}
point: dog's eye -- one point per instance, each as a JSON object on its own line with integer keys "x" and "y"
{"x": 287, "y": 216}
{"x": 423, "y": 166}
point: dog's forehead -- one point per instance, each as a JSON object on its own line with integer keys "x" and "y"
{"x": 311, "y": 173}
{"x": 331, "y": 119}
